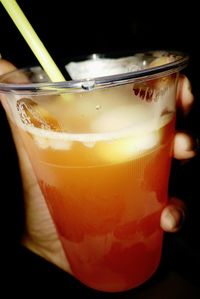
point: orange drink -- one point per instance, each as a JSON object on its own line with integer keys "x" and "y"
{"x": 102, "y": 161}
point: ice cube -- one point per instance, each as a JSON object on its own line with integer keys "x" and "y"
{"x": 97, "y": 67}
{"x": 162, "y": 60}
{"x": 124, "y": 149}
{"x": 32, "y": 114}
{"x": 122, "y": 117}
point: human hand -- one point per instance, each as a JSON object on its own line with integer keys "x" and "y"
{"x": 40, "y": 235}
{"x": 173, "y": 215}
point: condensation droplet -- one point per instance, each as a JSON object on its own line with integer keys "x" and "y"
{"x": 98, "y": 107}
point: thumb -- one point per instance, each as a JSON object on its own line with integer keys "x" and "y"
{"x": 6, "y": 66}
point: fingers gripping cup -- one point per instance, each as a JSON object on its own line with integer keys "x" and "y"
{"x": 102, "y": 158}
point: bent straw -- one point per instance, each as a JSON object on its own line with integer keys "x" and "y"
{"x": 33, "y": 40}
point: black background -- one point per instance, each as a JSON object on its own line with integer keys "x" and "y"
{"x": 75, "y": 29}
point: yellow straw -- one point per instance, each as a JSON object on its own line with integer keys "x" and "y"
{"x": 33, "y": 40}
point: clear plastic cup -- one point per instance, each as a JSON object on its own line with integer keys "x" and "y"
{"x": 101, "y": 148}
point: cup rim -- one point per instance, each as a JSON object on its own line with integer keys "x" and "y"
{"x": 88, "y": 84}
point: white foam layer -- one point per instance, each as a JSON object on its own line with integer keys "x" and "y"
{"x": 56, "y": 144}
{"x": 144, "y": 137}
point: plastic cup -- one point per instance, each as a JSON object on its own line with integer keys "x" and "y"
{"x": 103, "y": 159}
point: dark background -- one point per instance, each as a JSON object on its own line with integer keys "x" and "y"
{"x": 81, "y": 28}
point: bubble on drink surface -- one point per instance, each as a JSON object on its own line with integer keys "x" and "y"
{"x": 98, "y": 107}
{"x": 32, "y": 114}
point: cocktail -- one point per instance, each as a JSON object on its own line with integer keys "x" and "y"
{"x": 101, "y": 147}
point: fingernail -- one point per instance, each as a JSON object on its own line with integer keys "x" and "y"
{"x": 170, "y": 222}
{"x": 183, "y": 142}
{"x": 187, "y": 86}
{"x": 174, "y": 219}
{"x": 187, "y": 96}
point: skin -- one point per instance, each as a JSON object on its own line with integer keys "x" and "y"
{"x": 40, "y": 235}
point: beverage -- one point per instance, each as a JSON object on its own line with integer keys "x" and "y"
{"x": 102, "y": 161}
{"x": 106, "y": 191}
